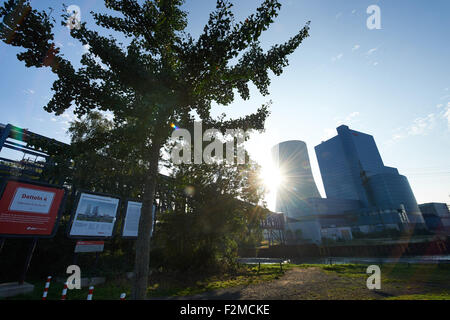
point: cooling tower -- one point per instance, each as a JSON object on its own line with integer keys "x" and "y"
{"x": 292, "y": 160}
{"x": 391, "y": 191}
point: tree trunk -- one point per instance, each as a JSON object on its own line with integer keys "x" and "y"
{"x": 142, "y": 258}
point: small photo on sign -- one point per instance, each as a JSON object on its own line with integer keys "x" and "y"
{"x": 95, "y": 216}
{"x": 96, "y": 211}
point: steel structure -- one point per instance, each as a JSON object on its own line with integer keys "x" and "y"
{"x": 273, "y": 227}
{"x": 34, "y": 160}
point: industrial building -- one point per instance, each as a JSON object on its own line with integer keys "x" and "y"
{"x": 352, "y": 168}
{"x": 363, "y": 195}
{"x": 436, "y": 216}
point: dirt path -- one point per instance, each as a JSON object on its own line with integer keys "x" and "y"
{"x": 298, "y": 284}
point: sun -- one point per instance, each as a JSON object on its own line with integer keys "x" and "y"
{"x": 271, "y": 177}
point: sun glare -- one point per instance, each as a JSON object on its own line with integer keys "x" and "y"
{"x": 271, "y": 177}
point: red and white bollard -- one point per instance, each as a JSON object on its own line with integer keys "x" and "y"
{"x": 122, "y": 296}
{"x": 64, "y": 292}
{"x": 47, "y": 285}
{"x": 91, "y": 292}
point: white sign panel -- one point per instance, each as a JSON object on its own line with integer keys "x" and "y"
{"x": 95, "y": 216}
{"x": 32, "y": 200}
{"x": 132, "y": 216}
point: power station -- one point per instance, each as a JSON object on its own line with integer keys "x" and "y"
{"x": 363, "y": 196}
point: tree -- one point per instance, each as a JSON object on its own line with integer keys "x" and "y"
{"x": 159, "y": 78}
{"x": 216, "y": 210}
{"x": 118, "y": 170}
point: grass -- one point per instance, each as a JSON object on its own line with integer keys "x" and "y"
{"x": 422, "y": 273}
{"x": 393, "y": 272}
{"x": 403, "y": 281}
{"x": 161, "y": 284}
{"x": 348, "y": 270}
{"x": 399, "y": 282}
{"x": 429, "y": 296}
{"x": 246, "y": 275}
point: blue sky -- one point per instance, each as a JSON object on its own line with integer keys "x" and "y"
{"x": 392, "y": 83}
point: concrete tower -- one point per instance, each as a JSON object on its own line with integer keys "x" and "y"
{"x": 292, "y": 160}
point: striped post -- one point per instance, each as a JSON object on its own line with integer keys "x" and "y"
{"x": 122, "y": 296}
{"x": 47, "y": 285}
{"x": 64, "y": 292}
{"x": 91, "y": 292}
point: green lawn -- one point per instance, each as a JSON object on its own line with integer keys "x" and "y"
{"x": 425, "y": 281}
{"x": 399, "y": 282}
{"x": 245, "y": 276}
{"x": 429, "y": 296}
{"x": 162, "y": 285}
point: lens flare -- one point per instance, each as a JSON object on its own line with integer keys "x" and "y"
{"x": 272, "y": 177}
{"x": 18, "y": 134}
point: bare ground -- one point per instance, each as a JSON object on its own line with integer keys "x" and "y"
{"x": 311, "y": 284}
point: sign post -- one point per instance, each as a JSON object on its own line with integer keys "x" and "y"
{"x": 88, "y": 246}
{"x": 2, "y": 242}
{"x": 28, "y": 260}
{"x": 29, "y": 209}
{"x": 93, "y": 218}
